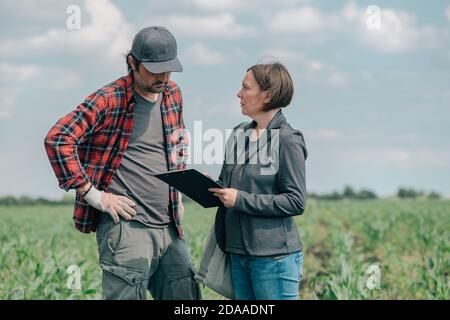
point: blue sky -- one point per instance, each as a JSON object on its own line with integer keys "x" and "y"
{"x": 374, "y": 105}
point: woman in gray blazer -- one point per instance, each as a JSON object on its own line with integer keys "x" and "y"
{"x": 264, "y": 179}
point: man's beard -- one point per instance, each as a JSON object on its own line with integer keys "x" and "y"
{"x": 155, "y": 88}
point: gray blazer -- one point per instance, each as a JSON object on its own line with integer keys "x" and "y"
{"x": 267, "y": 203}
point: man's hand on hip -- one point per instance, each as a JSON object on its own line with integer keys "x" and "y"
{"x": 113, "y": 204}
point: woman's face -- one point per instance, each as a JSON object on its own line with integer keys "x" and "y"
{"x": 253, "y": 99}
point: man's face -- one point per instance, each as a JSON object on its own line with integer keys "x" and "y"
{"x": 148, "y": 81}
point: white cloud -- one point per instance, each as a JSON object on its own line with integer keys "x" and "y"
{"x": 302, "y": 20}
{"x": 241, "y": 6}
{"x": 316, "y": 65}
{"x": 36, "y": 11}
{"x": 202, "y": 55}
{"x": 283, "y": 55}
{"x": 14, "y": 76}
{"x": 399, "y": 30}
{"x": 447, "y": 13}
{"x": 351, "y": 12}
{"x": 18, "y": 73}
{"x": 18, "y": 78}
{"x": 222, "y": 25}
{"x": 309, "y": 70}
{"x": 218, "y": 5}
{"x": 105, "y": 37}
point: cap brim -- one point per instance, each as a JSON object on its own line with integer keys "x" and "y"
{"x": 173, "y": 65}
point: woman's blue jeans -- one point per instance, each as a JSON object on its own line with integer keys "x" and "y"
{"x": 266, "y": 278}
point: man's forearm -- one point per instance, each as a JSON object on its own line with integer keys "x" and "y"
{"x": 84, "y": 188}
{"x": 62, "y": 152}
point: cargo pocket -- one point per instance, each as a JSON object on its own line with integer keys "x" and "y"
{"x": 122, "y": 283}
{"x": 183, "y": 286}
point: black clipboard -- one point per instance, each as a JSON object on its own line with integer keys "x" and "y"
{"x": 194, "y": 185}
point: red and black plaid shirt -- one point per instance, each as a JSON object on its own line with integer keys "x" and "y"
{"x": 88, "y": 144}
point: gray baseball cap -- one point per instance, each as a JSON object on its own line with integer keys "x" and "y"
{"x": 156, "y": 47}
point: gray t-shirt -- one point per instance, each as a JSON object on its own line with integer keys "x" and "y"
{"x": 144, "y": 156}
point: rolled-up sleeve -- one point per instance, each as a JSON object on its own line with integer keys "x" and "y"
{"x": 63, "y": 138}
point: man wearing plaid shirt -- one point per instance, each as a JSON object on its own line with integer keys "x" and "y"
{"x": 109, "y": 149}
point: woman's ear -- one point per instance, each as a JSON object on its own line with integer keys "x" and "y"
{"x": 268, "y": 97}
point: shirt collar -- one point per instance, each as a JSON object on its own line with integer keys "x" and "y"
{"x": 275, "y": 123}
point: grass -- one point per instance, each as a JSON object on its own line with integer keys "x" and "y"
{"x": 406, "y": 242}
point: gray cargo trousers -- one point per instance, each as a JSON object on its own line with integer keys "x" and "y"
{"x": 135, "y": 257}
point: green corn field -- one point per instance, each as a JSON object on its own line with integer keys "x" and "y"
{"x": 406, "y": 242}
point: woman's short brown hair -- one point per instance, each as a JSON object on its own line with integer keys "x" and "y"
{"x": 274, "y": 77}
